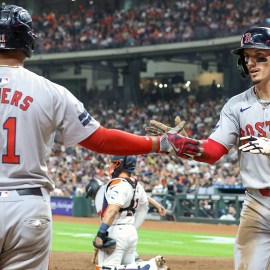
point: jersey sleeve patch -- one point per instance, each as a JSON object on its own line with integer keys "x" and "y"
{"x": 85, "y": 118}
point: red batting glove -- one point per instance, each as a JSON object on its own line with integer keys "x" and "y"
{"x": 185, "y": 147}
{"x": 175, "y": 144}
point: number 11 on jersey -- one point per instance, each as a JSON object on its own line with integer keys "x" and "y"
{"x": 10, "y": 156}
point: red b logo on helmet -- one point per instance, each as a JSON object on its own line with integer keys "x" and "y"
{"x": 247, "y": 37}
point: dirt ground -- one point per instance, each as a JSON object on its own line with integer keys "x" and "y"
{"x": 82, "y": 261}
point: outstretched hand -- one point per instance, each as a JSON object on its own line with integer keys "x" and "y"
{"x": 157, "y": 128}
{"x": 255, "y": 145}
{"x": 175, "y": 144}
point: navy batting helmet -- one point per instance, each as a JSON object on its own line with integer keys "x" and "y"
{"x": 256, "y": 37}
{"x": 92, "y": 188}
{"x": 123, "y": 163}
{"x": 16, "y": 30}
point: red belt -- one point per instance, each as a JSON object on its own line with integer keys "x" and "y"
{"x": 265, "y": 192}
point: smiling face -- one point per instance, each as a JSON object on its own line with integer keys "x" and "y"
{"x": 258, "y": 64}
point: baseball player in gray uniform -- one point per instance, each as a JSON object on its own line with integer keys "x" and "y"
{"x": 245, "y": 121}
{"x": 31, "y": 110}
{"x": 122, "y": 204}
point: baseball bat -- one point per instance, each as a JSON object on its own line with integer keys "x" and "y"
{"x": 95, "y": 256}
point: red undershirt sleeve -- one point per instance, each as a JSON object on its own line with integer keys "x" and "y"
{"x": 213, "y": 151}
{"x": 117, "y": 142}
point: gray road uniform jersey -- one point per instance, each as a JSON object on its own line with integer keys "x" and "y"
{"x": 242, "y": 116}
{"x": 32, "y": 109}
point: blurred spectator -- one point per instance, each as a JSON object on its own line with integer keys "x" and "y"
{"x": 171, "y": 188}
{"x": 160, "y": 187}
{"x": 230, "y": 214}
{"x": 206, "y": 185}
{"x": 206, "y": 209}
{"x": 193, "y": 185}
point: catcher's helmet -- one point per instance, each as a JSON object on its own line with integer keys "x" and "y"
{"x": 92, "y": 188}
{"x": 257, "y": 37}
{"x": 123, "y": 163}
{"x": 16, "y": 29}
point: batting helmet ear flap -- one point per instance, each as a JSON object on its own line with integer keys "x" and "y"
{"x": 242, "y": 68}
{"x": 92, "y": 188}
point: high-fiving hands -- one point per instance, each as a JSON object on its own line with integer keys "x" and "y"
{"x": 157, "y": 128}
{"x": 172, "y": 141}
{"x": 255, "y": 145}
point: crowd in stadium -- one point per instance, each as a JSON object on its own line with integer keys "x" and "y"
{"x": 71, "y": 168}
{"x": 151, "y": 22}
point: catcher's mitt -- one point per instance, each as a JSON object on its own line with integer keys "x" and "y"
{"x": 108, "y": 245}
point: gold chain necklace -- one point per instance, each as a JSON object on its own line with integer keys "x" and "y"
{"x": 264, "y": 102}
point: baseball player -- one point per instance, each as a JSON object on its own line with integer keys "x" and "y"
{"x": 95, "y": 187}
{"x": 32, "y": 109}
{"x": 122, "y": 205}
{"x": 245, "y": 121}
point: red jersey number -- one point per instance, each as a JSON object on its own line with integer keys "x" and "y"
{"x": 11, "y": 157}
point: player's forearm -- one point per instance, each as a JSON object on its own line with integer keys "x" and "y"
{"x": 213, "y": 151}
{"x": 107, "y": 220}
{"x": 117, "y": 142}
{"x": 111, "y": 212}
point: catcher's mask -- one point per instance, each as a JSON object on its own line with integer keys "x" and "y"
{"x": 122, "y": 163}
{"x": 257, "y": 37}
{"x": 92, "y": 188}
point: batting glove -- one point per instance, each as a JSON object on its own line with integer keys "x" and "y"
{"x": 175, "y": 144}
{"x": 256, "y": 145}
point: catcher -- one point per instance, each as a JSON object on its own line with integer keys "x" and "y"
{"x": 117, "y": 203}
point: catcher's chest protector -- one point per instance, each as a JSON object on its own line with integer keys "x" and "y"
{"x": 133, "y": 183}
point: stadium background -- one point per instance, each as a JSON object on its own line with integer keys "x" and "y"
{"x": 131, "y": 61}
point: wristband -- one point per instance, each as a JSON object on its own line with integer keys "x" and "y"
{"x": 156, "y": 143}
{"x": 104, "y": 227}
